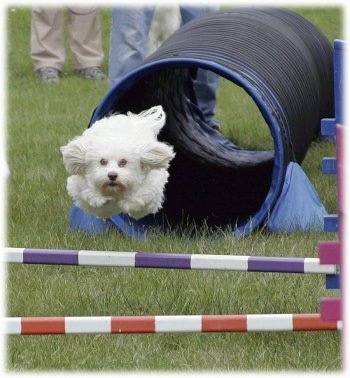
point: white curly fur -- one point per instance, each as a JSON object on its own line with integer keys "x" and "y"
{"x": 118, "y": 166}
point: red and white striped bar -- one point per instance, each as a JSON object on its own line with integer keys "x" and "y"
{"x": 166, "y": 324}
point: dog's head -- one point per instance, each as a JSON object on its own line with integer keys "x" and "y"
{"x": 152, "y": 119}
{"x": 74, "y": 155}
{"x": 146, "y": 124}
{"x": 115, "y": 166}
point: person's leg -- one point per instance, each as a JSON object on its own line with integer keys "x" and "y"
{"x": 206, "y": 82}
{"x": 129, "y": 39}
{"x": 188, "y": 13}
{"x": 84, "y": 28}
{"x": 46, "y": 40}
{"x": 166, "y": 20}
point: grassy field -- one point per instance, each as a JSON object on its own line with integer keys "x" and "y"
{"x": 41, "y": 118}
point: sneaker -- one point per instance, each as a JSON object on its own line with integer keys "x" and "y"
{"x": 94, "y": 73}
{"x": 48, "y": 74}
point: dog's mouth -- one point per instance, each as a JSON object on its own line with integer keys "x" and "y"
{"x": 113, "y": 184}
{"x": 110, "y": 188}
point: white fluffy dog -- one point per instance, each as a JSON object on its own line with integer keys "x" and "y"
{"x": 118, "y": 166}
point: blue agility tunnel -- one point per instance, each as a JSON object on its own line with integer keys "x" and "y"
{"x": 285, "y": 64}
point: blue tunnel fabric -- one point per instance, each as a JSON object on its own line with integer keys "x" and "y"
{"x": 282, "y": 62}
{"x": 298, "y": 207}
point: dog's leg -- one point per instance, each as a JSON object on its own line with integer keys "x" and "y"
{"x": 94, "y": 199}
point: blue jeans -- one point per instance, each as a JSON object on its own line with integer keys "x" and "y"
{"x": 129, "y": 47}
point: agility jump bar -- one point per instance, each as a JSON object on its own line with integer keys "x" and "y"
{"x": 164, "y": 324}
{"x": 167, "y": 261}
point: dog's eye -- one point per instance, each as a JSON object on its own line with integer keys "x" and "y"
{"x": 122, "y": 163}
{"x": 103, "y": 161}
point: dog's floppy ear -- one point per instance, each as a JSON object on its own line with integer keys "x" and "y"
{"x": 74, "y": 156}
{"x": 153, "y": 118}
{"x": 156, "y": 155}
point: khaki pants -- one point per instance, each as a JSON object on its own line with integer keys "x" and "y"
{"x": 47, "y": 37}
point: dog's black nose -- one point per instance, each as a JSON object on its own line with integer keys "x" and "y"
{"x": 112, "y": 176}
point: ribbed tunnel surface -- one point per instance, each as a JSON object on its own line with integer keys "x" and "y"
{"x": 283, "y": 63}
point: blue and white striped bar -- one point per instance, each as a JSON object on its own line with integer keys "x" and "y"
{"x": 168, "y": 261}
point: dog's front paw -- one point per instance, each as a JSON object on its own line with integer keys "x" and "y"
{"x": 94, "y": 200}
{"x": 135, "y": 205}
{"x": 99, "y": 202}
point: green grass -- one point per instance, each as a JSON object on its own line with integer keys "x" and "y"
{"x": 41, "y": 118}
